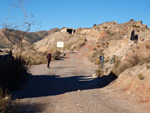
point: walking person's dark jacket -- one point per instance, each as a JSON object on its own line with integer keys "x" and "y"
{"x": 101, "y": 58}
{"x": 48, "y": 59}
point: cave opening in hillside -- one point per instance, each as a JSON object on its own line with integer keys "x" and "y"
{"x": 69, "y": 31}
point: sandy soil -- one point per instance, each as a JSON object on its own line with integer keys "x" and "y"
{"x": 68, "y": 87}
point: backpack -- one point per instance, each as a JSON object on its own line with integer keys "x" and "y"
{"x": 48, "y": 56}
{"x": 101, "y": 58}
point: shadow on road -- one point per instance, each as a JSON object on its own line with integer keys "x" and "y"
{"x": 49, "y": 85}
{"x": 28, "y": 107}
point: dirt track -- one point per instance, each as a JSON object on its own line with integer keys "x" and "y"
{"x": 68, "y": 87}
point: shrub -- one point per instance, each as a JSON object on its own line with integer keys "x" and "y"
{"x": 17, "y": 73}
{"x": 131, "y": 20}
{"x": 140, "y": 76}
{"x": 94, "y": 25}
{"x": 147, "y": 46}
{"x": 34, "y": 58}
{"x": 98, "y": 46}
{"x": 117, "y": 62}
{"x": 95, "y": 55}
{"x": 97, "y": 62}
{"x": 99, "y": 72}
{"x": 134, "y": 59}
{"x": 5, "y": 101}
{"x": 56, "y": 55}
{"x": 13, "y": 75}
{"x": 105, "y": 27}
{"x": 129, "y": 62}
{"x": 117, "y": 69}
{"x": 94, "y": 49}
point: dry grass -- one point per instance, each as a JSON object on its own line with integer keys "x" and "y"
{"x": 97, "y": 62}
{"x": 130, "y": 61}
{"x": 13, "y": 73}
{"x": 117, "y": 62}
{"x": 34, "y": 58}
{"x": 6, "y": 104}
{"x": 119, "y": 67}
{"x": 94, "y": 57}
{"x": 134, "y": 59}
{"x": 99, "y": 72}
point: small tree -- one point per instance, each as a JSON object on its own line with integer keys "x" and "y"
{"x": 21, "y": 28}
{"x": 131, "y": 20}
{"x": 94, "y": 25}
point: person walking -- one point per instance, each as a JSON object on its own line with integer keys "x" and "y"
{"x": 48, "y": 56}
{"x": 102, "y": 60}
{"x": 112, "y": 61}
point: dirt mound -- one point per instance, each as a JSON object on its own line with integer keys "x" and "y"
{"x": 135, "y": 81}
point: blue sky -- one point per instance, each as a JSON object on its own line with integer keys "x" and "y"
{"x": 48, "y": 14}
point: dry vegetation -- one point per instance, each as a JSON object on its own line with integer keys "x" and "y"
{"x": 5, "y": 102}
{"x": 13, "y": 73}
{"x": 35, "y": 58}
{"x": 129, "y": 62}
{"x": 77, "y": 44}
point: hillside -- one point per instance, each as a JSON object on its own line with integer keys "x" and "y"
{"x": 10, "y": 37}
{"x": 111, "y": 38}
{"x": 122, "y": 86}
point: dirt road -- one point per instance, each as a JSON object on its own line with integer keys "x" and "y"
{"x": 68, "y": 87}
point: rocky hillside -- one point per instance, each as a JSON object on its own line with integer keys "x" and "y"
{"x": 129, "y": 42}
{"x": 10, "y": 37}
{"x": 133, "y": 56}
{"x": 49, "y": 43}
{"x": 111, "y": 39}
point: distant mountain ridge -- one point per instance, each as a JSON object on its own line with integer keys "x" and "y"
{"x": 8, "y": 37}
